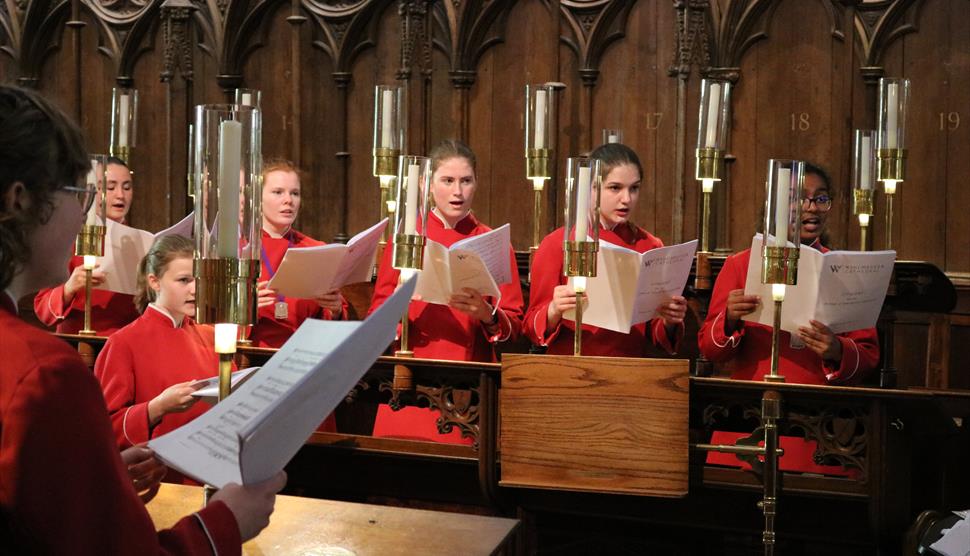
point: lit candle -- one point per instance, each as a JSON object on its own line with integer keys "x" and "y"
{"x": 778, "y": 292}
{"x": 863, "y": 220}
{"x": 613, "y": 138}
{"x": 866, "y": 162}
{"x": 892, "y": 113}
{"x": 538, "y": 184}
{"x": 582, "y": 204}
{"x": 781, "y": 207}
{"x": 123, "y": 121}
{"x": 89, "y": 262}
{"x": 387, "y": 103}
{"x": 226, "y": 334}
{"x": 579, "y": 284}
{"x": 540, "y": 137}
{"x": 247, "y": 99}
{"x": 230, "y": 153}
{"x": 410, "y": 210}
{"x": 707, "y": 185}
{"x": 713, "y": 110}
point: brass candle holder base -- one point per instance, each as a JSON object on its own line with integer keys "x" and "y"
{"x": 579, "y": 258}
{"x": 408, "y": 251}
{"x": 90, "y": 240}
{"x": 538, "y": 163}
{"x": 891, "y": 165}
{"x": 780, "y": 265}
{"x": 386, "y": 161}
{"x": 702, "y": 271}
{"x": 225, "y": 290}
{"x": 120, "y": 152}
{"x": 709, "y": 164}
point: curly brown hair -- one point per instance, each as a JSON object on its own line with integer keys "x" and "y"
{"x": 41, "y": 148}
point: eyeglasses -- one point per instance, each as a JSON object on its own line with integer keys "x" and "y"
{"x": 85, "y": 195}
{"x": 823, "y": 203}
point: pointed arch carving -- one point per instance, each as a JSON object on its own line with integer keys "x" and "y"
{"x": 33, "y": 31}
{"x": 878, "y": 25}
{"x": 126, "y": 30}
{"x": 466, "y": 31}
{"x": 346, "y": 30}
{"x": 593, "y": 25}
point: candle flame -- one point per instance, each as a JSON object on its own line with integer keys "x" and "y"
{"x": 538, "y": 183}
{"x": 89, "y": 262}
{"x": 579, "y": 284}
{"x": 863, "y": 220}
{"x": 890, "y": 186}
{"x": 707, "y": 186}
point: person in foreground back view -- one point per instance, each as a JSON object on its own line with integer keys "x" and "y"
{"x": 64, "y": 487}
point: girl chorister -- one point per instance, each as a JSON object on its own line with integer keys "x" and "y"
{"x": 469, "y": 328}
{"x": 278, "y": 316}
{"x": 148, "y": 369}
{"x": 550, "y": 297}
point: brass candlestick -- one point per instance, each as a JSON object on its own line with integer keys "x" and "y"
{"x": 579, "y": 264}
{"x": 409, "y": 257}
{"x": 385, "y": 168}
{"x": 891, "y": 171}
{"x": 89, "y": 244}
{"x": 779, "y": 268}
{"x": 538, "y": 170}
{"x": 862, "y": 206}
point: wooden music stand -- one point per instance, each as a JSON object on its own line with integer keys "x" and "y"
{"x": 595, "y": 424}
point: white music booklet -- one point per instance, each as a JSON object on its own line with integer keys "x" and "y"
{"x": 251, "y": 435}
{"x": 480, "y": 262}
{"x": 629, "y": 286}
{"x": 125, "y": 247}
{"x": 307, "y": 272}
{"x": 844, "y": 290}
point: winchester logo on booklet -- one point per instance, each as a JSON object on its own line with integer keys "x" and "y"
{"x": 252, "y": 434}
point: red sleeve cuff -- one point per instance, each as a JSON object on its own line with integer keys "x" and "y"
{"x": 848, "y": 368}
{"x": 220, "y": 526}
{"x": 134, "y": 424}
{"x": 504, "y": 328}
{"x": 722, "y": 340}
{"x": 662, "y": 340}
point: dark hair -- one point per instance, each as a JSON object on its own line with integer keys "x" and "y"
{"x": 118, "y": 161}
{"x": 451, "y": 148}
{"x": 812, "y": 168}
{"x": 612, "y": 155}
{"x": 165, "y": 250}
{"x": 40, "y": 147}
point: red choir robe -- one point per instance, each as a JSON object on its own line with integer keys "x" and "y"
{"x": 109, "y": 310}
{"x": 746, "y": 354}
{"x": 440, "y": 332}
{"x": 272, "y": 332}
{"x": 63, "y": 486}
{"x": 547, "y": 273}
{"x": 268, "y": 330}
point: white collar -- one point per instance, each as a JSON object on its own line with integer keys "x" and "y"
{"x": 162, "y": 310}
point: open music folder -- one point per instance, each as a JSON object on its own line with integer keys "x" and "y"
{"x": 844, "y": 290}
{"x": 482, "y": 263}
{"x": 308, "y": 272}
{"x": 253, "y": 433}
{"x": 629, "y": 286}
{"x": 125, "y": 247}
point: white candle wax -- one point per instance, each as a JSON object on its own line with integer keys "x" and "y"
{"x": 778, "y": 292}
{"x": 410, "y": 210}
{"x": 387, "y": 113}
{"x": 713, "y": 111}
{"x": 865, "y": 156}
{"x": 123, "y": 104}
{"x": 579, "y": 284}
{"x": 247, "y": 99}
{"x": 540, "y": 135}
{"x": 225, "y": 341}
{"x": 582, "y": 204}
{"x": 92, "y": 217}
{"x": 230, "y": 153}
{"x": 892, "y": 114}
{"x": 781, "y": 207}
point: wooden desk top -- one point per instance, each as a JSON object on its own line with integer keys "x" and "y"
{"x": 308, "y": 526}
